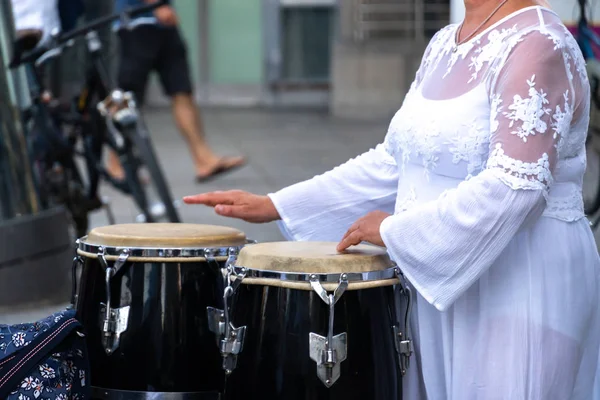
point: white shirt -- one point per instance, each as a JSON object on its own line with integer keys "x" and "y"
{"x": 36, "y": 14}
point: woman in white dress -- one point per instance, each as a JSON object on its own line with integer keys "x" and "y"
{"x": 476, "y": 193}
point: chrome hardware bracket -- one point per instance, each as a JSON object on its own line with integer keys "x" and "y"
{"x": 113, "y": 321}
{"x": 230, "y": 339}
{"x": 330, "y": 351}
{"x": 402, "y": 334}
{"x": 216, "y": 316}
{"x": 113, "y": 327}
{"x": 216, "y": 322}
{"x": 77, "y": 262}
{"x": 232, "y": 253}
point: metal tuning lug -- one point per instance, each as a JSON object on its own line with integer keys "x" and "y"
{"x": 77, "y": 262}
{"x": 216, "y": 322}
{"x": 328, "y": 352}
{"x": 231, "y": 338}
{"x": 113, "y": 327}
{"x": 231, "y": 346}
{"x": 113, "y": 321}
{"x": 227, "y": 269}
{"x": 402, "y": 340}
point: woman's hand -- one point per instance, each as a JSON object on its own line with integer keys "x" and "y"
{"x": 366, "y": 229}
{"x": 238, "y": 204}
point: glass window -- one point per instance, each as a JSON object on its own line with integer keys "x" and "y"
{"x": 306, "y": 43}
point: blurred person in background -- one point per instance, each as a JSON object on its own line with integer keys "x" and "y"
{"x": 34, "y": 15}
{"x": 47, "y": 16}
{"x": 152, "y": 42}
{"x": 36, "y": 21}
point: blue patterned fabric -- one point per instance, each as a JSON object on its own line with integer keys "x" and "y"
{"x": 63, "y": 372}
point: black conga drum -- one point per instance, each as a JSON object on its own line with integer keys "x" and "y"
{"x": 305, "y": 322}
{"x": 142, "y": 299}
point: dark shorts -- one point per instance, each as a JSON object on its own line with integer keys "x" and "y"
{"x": 148, "y": 48}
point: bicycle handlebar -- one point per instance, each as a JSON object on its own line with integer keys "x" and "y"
{"x": 84, "y": 30}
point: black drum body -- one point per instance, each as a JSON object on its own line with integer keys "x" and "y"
{"x": 275, "y": 362}
{"x": 163, "y": 339}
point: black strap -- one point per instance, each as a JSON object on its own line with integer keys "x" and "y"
{"x": 14, "y": 370}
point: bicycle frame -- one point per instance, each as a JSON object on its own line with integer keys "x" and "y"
{"x": 129, "y": 140}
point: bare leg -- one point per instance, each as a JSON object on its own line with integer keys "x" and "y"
{"x": 187, "y": 118}
{"x": 113, "y": 166}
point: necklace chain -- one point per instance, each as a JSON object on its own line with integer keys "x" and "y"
{"x": 485, "y": 21}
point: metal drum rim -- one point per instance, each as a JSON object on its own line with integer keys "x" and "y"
{"x": 160, "y": 252}
{"x": 352, "y": 277}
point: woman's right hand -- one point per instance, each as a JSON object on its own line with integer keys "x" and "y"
{"x": 238, "y": 204}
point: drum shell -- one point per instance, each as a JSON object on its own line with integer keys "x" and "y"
{"x": 275, "y": 361}
{"x": 167, "y": 346}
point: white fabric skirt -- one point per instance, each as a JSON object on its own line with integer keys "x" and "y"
{"x": 522, "y": 332}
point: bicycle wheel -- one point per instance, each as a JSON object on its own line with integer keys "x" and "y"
{"x": 135, "y": 187}
{"x": 62, "y": 186}
{"x": 591, "y": 178}
{"x": 56, "y": 173}
{"x": 145, "y": 151}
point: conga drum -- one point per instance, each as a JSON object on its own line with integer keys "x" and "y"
{"x": 303, "y": 321}
{"x": 143, "y": 294}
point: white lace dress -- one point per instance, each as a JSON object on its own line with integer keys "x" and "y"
{"x": 482, "y": 168}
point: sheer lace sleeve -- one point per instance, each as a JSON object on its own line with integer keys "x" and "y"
{"x": 531, "y": 112}
{"x": 445, "y": 245}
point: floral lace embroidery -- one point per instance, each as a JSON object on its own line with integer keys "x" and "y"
{"x": 420, "y": 141}
{"x": 566, "y": 208}
{"x": 561, "y": 121}
{"x": 438, "y": 47}
{"x": 471, "y": 147}
{"x": 529, "y": 111}
{"x": 574, "y": 55}
{"x": 415, "y": 138}
{"x": 415, "y": 135}
{"x": 525, "y": 172}
{"x": 489, "y": 52}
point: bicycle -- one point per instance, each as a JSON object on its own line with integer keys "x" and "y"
{"x": 589, "y": 41}
{"x": 100, "y": 115}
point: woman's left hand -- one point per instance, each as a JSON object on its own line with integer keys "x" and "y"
{"x": 366, "y": 229}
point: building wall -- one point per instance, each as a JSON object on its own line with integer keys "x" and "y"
{"x": 226, "y": 41}
{"x": 235, "y": 43}
{"x": 188, "y": 12}
{"x": 226, "y": 65}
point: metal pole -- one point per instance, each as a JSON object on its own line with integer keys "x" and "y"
{"x": 17, "y": 190}
{"x": 204, "y": 31}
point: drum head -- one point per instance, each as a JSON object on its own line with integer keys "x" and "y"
{"x": 164, "y": 238}
{"x": 320, "y": 258}
{"x": 313, "y": 258}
